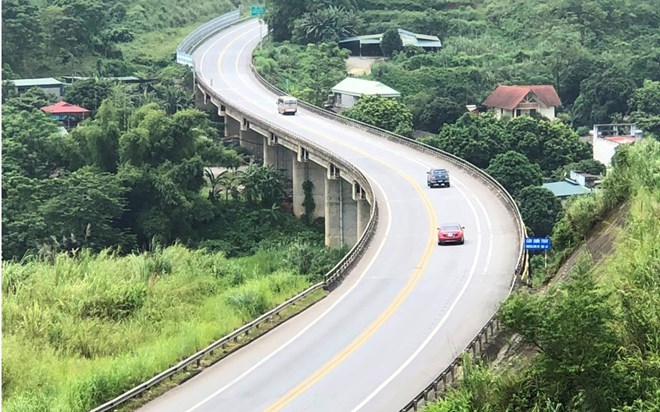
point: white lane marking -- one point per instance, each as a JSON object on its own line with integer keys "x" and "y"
{"x": 341, "y": 298}
{"x": 314, "y": 322}
{"x": 437, "y": 328}
{"x": 444, "y": 319}
{"x": 362, "y": 275}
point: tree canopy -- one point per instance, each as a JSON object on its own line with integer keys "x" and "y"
{"x": 383, "y": 112}
{"x": 514, "y": 171}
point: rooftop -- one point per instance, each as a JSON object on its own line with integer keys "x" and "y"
{"x": 620, "y": 139}
{"x": 408, "y": 38}
{"x": 508, "y": 97}
{"x": 116, "y": 78}
{"x": 564, "y": 189}
{"x": 63, "y": 107}
{"x": 359, "y": 87}
{"x": 44, "y": 81}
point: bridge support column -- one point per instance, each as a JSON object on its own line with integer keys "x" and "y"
{"x": 349, "y": 215}
{"x": 252, "y": 141}
{"x": 333, "y": 209}
{"x": 363, "y": 214}
{"x": 232, "y": 127}
{"x": 203, "y": 101}
{"x": 278, "y": 157}
{"x": 308, "y": 171}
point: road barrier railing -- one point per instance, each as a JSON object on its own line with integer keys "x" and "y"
{"x": 185, "y": 50}
{"x": 489, "y": 333}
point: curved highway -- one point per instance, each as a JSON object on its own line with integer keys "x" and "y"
{"x": 402, "y": 314}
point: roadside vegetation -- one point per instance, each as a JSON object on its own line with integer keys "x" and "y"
{"x": 81, "y": 329}
{"x": 122, "y": 252}
{"x": 97, "y": 37}
{"x": 595, "y": 335}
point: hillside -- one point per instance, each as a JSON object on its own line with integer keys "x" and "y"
{"x": 590, "y": 340}
{"x": 87, "y": 37}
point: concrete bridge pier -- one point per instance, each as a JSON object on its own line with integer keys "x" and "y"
{"x": 253, "y": 142}
{"x": 363, "y": 214}
{"x": 303, "y": 171}
{"x": 348, "y": 214}
{"x": 203, "y": 101}
{"x": 278, "y": 157}
{"x": 232, "y": 127}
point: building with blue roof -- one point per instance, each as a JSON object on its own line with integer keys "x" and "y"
{"x": 369, "y": 45}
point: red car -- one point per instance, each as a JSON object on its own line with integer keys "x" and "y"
{"x": 451, "y": 233}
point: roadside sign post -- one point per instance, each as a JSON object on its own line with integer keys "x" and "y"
{"x": 539, "y": 243}
{"x": 258, "y": 11}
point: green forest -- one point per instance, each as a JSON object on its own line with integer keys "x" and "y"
{"x": 595, "y": 53}
{"x": 122, "y": 253}
{"x": 595, "y": 335}
{"x": 97, "y": 37}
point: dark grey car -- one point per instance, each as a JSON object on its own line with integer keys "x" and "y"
{"x": 437, "y": 178}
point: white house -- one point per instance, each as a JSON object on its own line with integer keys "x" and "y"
{"x": 514, "y": 101}
{"x": 347, "y": 92}
{"x": 607, "y": 137}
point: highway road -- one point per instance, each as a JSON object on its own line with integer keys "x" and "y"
{"x": 405, "y": 311}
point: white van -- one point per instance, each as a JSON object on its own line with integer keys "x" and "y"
{"x": 287, "y": 104}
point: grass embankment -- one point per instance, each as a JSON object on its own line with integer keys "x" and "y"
{"x": 594, "y": 337}
{"x": 82, "y": 330}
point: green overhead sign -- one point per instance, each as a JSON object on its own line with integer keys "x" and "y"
{"x": 257, "y": 10}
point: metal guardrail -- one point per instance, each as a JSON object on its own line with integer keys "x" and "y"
{"x": 332, "y": 278}
{"x": 492, "y": 328}
{"x": 185, "y": 50}
{"x": 197, "y": 357}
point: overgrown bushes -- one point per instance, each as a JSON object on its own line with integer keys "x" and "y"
{"x": 83, "y": 329}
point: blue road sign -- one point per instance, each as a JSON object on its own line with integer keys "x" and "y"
{"x": 537, "y": 243}
{"x": 257, "y": 10}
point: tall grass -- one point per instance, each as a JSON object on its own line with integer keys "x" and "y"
{"x": 82, "y": 330}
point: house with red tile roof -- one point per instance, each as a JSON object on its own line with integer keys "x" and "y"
{"x": 66, "y": 113}
{"x": 514, "y": 101}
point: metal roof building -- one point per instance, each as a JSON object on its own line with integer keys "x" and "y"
{"x": 47, "y": 84}
{"x": 370, "y": 43}
{"x": 348, "y": 91}
{"x": 566, "y": 189}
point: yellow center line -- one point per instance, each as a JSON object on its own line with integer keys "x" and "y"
{"x": 375, "y": 325}
{"x": 393, "y": 306}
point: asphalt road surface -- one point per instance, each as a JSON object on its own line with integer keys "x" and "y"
{"x": 405, "y": 311}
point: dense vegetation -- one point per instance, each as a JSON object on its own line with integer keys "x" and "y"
{"x": 121, "y": 253}
{"x": 102, "y": 37}
{"x": 82, "y": 329}
{"x": 595, "y": 53}
{"x": 596, "y": 334}
{"x": 132, "y": 176}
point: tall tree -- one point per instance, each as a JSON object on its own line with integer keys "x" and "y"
{"x": 391, "y": 42}
{"x": 476, "y": 139}
{"x": 539, "y": 208}
{"x": 21, "y": 32}
{"x": 383, "y": 112}
{"x": 645, "y": 107}
{"x": 604, "y": 95}
{"x": 514, "y": 171}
